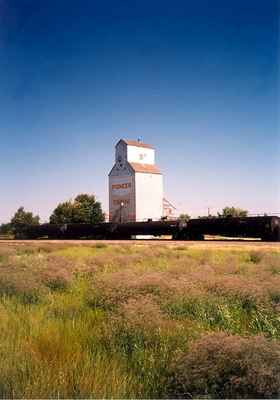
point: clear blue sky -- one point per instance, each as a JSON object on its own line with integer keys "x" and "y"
{"x": 197, "y": 79}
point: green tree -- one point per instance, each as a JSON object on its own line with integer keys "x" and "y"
{"x": 184, "y": 217}
{"x": 84, "y": 209}
{"x": 22, "y": 217}
{"x": 87, "y": 209}
{"x": 233, "y": 212}
{"x": 21, "y": 220}
{"x": 62, "y": 214}
{"x": 6, "y": 229}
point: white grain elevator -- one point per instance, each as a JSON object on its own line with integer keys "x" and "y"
{"x": 135, "y": 184}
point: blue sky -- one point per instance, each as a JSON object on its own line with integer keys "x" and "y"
{"x": 197, "y": 79}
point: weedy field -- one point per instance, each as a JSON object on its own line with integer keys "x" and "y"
{"x": 126, "y": 321}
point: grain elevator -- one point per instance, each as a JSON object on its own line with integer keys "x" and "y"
{"x": 135, "y": 184}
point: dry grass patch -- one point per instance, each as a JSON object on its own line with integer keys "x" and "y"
{"x": 111, "y": 321}
{"x": 224, "y": 366}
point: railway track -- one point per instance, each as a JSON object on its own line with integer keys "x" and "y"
{"x": 208, "y": 244}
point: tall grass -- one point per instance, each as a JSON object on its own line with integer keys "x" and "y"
{"x": 113, "y": 321}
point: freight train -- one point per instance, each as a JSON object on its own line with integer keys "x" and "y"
{"x": 267, "y": 228}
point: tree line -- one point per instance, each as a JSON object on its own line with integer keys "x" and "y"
{"x": 83, "y": 209}
{"x": 225, "y": 213}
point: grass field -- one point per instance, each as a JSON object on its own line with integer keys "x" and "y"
{"x": 125, "y": 321}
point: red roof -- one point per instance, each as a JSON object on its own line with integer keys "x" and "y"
{"x": 135, "y": 143}
{"x": 145, "y": 168}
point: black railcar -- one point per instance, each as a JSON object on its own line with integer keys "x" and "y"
{"x": 266, "y": 228}
{"x": 102, "y": 230}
